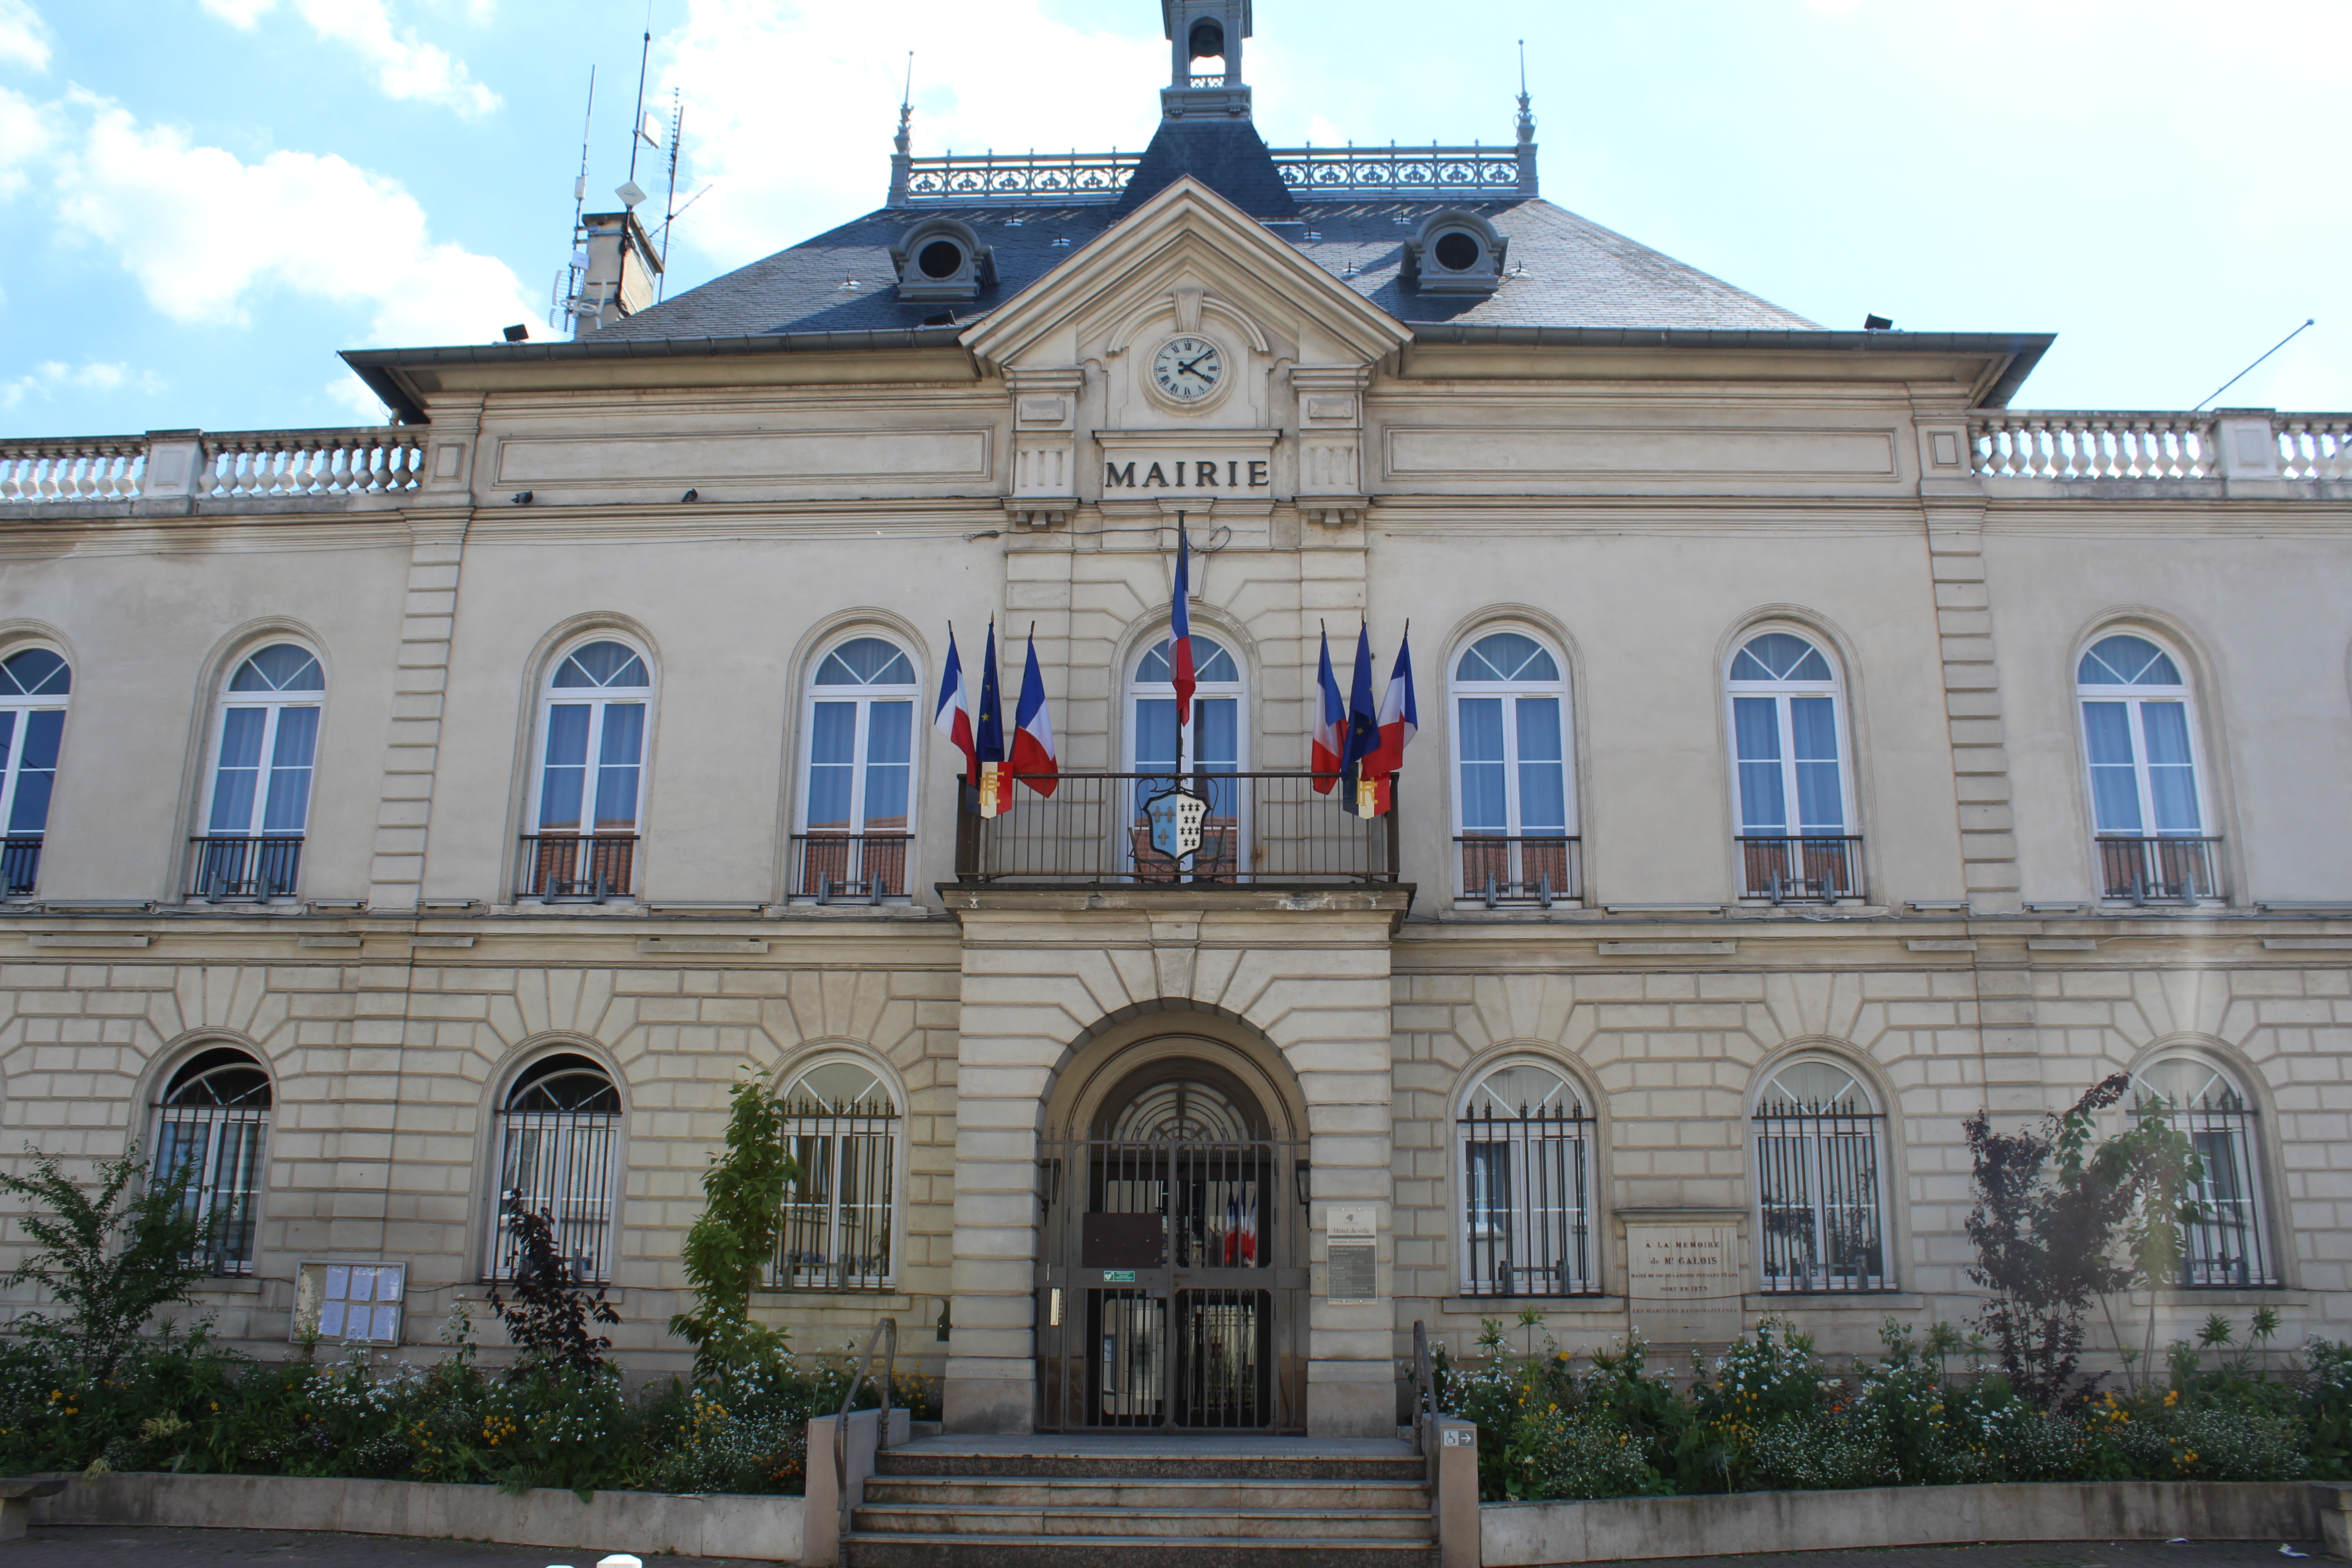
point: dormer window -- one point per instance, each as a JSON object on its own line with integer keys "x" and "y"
{"x": 942, "y": 259}
{"x": 1455, "y": 252}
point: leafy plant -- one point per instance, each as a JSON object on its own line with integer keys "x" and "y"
{"x": 734, "y": 1241}
{"x": 109, "y": 1257}
{"x": 553, "y": 1306}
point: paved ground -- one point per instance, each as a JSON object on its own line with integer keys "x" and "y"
{"x": 96, "y": 1547}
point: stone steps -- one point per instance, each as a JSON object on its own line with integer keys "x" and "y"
{"x": 1052, "y": 1518}
{"x": 1188, "y": 1492}
{"x": 937, "y": 1551}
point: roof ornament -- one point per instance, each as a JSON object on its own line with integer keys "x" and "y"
{"x": 1527, "y": 128}
{"x": 902, "y": 161}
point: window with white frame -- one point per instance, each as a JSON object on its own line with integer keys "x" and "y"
{"x": 588, "y": 795}
{"x": 1821, "y": 1154}
{"x": 1790, "y": 772}
{"x": 34, "y": 685}
{"x": 2139, "y": 742}
{"x": 857, "y": 819}
{"x": 559, "y": 1131}
{"x": 212, "y": 1128}
{"x": 258, "y": 806}
{"x": 1514, "y": 799}
{"x": 840, "y": 1217}
{"x": 2229, "y": 1244}
{"x": 1215, "y": 742}
{"x": 1526, "y": 1176}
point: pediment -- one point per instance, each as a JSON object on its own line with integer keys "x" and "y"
{"x": 1186, "y": 250}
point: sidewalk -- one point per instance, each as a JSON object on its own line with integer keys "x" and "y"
{"x": 2033, "y": 1554}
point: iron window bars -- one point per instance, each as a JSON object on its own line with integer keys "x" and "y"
{"x": 1819, "y": 1198}
{"x": 1526, "y": 1184}
{"x": 558, "y": 1163}
{"x": 2227, "y": 1247}
{"x": 839, "y": 1222}
{"x": 221, "y": 1148}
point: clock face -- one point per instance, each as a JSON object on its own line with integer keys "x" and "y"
{"x": 1187, "y": 369}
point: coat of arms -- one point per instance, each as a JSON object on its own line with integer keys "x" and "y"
{"x": 1176, "y": 817}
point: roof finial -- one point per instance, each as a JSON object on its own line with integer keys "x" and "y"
{"x": 907, "y": 98}
{"x": 902, "y": 161}
{"x": 1527, "y": 148}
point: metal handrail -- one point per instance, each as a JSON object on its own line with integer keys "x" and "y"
{"x": 841, "y": 1421}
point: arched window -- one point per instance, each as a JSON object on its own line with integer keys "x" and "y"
{"x": 33, "y": 684}
{"x": 1515, "y": 805}
{"x": 588, "y": 803}
{"x": 1215, "y": 742}
{"x": 1526, "y": 1185}
{"x": 2230, "y": 1246}
{"x": 840, "y": 1218}
{"x": 212, "y": 1124}
{"x": 1819, "y": 1197}
{"x": 1788, "y": 728}
{"x": 2140, "y": 741}
{"x": 557, "y": 1132}
{"x": 856, "y": 813}
{"x": 260, "y": 804}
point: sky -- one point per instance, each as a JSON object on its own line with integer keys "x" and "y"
{"x": 211, "y": 197}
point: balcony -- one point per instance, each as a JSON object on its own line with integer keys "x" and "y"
{"x": 1808, "y": 869}
{"x": 239, "y": 868}
{"x": 20, "y": 865}
{"x": 1521, "y": 868}
{"x": 850, "y": 867}
{"x": 1258, "y": 828}
{"x": 577, "y": 867}
{"x": 2159, "y": 870}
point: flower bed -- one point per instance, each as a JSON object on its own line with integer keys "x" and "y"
{"x": 1769, "y": 1415}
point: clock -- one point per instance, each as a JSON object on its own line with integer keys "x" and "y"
{"x": 1187, "y": 369}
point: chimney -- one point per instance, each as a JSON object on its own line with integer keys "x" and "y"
{"x": 622, "y": 268}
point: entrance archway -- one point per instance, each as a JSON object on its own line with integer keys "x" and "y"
{"x": 1174, "y": 1288}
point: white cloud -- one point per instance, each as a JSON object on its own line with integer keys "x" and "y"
{"x": 24, "y": 140}
{"x": 50, "y": 376}
{"x": 350, "y": 392}
{"x": 24, "y": 37}
{"x": 405, "y": 65}
{"x": 789, "y": 107}
{"x": 204, "y": 233}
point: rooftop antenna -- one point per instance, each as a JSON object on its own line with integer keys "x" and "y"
{"x": 2249, "y": 369}
{"x": 669, "y": 202}
{"x": 568, "y": 283}
{"x": 637, "y": 132}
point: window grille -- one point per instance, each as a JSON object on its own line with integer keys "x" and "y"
{"x": 222, "y": 1148}
{"x": 839, "y": 1217}
{"x": 558, "y": 1163}
{"x": 1527, "y": 1183}
{"x": 2227, "y": 1248}
{"x": 1819, "y": 1196}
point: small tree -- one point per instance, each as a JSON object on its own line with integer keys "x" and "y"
{"x": 734, "y": 1241}
{"x": 553, "y": 1306}
{"x": 109, "y": 1258}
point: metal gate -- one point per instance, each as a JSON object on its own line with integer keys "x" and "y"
{"x": 1172, "y": 1295}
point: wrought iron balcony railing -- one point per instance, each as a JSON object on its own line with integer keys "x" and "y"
{"x": 240, "y": 868}
{"x": 20, "y": 864}
{"x": 577, "y": 865}
{"x": 2159, "y": 870}
{"x": 1805, "y": 869}
{"x": 1321, "y": 173}
{"x": 1259, "y": 827}
{"x": 1521, "y": 867}
{"x": 850, "y": 867}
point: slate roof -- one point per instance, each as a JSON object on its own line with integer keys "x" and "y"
{"x": 1567, "y": 272}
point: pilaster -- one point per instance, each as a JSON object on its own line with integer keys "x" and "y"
{"x": 420, "y": 687}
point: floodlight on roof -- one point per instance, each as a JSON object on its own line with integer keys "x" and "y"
{"x": 1876, "y": 325}
{"x": 632, "y": 194}
{"x": 517, "y": 332}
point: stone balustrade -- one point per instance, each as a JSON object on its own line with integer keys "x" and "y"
{"x": 379, "y": 459}
{"x": 2234, "y": 443}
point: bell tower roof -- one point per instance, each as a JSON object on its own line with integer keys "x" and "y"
{"x": 1204, "y": 116}
{"x": 1205, "y": 46}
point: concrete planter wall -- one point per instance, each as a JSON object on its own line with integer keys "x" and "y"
{"x": 645, "y": 1523}
{"x": 1526, "y": 1534}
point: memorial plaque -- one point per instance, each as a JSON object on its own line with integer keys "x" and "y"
{"x": 1351, "y": 1271}
{"x": 1684, "y": 1281}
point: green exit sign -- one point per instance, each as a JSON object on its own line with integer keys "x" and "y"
{"x": 1118, "y": 1275}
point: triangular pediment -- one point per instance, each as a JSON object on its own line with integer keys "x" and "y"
{"x": 1187, "y": 237}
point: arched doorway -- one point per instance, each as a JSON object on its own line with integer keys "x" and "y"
{"x": 1175, "y": 1262}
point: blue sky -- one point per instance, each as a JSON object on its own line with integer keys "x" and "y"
{"x": 209, "y": 197}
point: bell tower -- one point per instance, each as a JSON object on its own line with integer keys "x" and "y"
{"x": 1205, "y": 40}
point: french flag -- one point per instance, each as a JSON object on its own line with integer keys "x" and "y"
{"x": 1180, "y": 629}
{"x": 1033, "y": 733}
{"x": 1399, "y": 721}
{"x": 988, "y": 734}
{"x": 1324, "y": 760}
{"x": 952, "y": 718}
{"x": 1241, "y": 1230}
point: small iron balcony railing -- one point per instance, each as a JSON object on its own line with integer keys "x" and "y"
{"x": 589, "y": 866}
{"x": 1264, "y": 827}
{"x": 20, "y": 864}
{"x": 241, "y": 869}
{"x": 1521, "y": 867}
{"x": 1526, "y": 1184}
{"x": 1804, "y": 868}
{"x": 2159, "y": 870}
{"x": 850, "y": 867}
